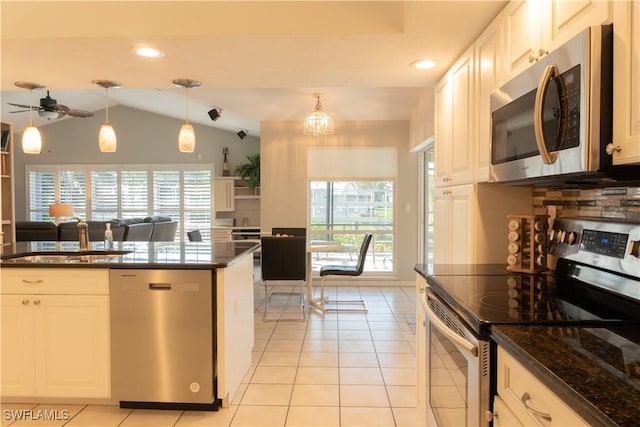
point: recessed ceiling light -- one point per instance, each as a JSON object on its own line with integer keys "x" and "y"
{"x": 424, "y": 64}
{"x": 146, "y": 51}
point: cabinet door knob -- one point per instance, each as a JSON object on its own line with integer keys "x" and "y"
{"x": 538, "y": 414}
{"x": 489, "y": 416}
{"x": 542, "y": 52}
{"x": 25, "y": 302}
{"x": 532, "y": 58}
{"x": 36, "y": 302}
{"x": 611, "y": 148}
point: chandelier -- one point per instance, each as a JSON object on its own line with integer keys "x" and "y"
{"x": 318, "y": 122}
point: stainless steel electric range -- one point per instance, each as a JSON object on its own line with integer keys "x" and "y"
{"x": 595, "y": 282}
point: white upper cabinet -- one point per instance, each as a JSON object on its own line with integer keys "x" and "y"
{"x": 533, "y": 28}
{"x": 521, "y": 26}
{"x": 442, "y": 132}
{"x": 563, "y": 19}
{"x": 454, "y": 127}
{"x": 489, "y": 76}
{"x": 626, "y": 83}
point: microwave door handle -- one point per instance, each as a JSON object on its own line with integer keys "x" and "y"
{"x": 451, "y": 335}
{"x": 550, "y": 72}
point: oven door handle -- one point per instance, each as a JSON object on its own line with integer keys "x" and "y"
{"x": 451, "y": 335}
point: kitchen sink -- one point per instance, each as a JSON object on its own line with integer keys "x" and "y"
{"x": 66, "y": 257}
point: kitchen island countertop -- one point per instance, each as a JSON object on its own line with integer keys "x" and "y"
{"x": 570, "y": 362}
{"x": 169, "y": 255}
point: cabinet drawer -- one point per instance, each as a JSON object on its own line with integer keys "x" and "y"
{"x": 60, "y": 281}
{"x": 514, "y": 381}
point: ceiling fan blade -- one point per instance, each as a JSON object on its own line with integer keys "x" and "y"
{"x": 19, "y": 111}
{"x": 58, "y": 107}
{"x": 77, "y": 113}
{"x": 33, "y": 107}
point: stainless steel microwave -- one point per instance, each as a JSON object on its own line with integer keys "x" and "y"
{"x": 551, "y": 123}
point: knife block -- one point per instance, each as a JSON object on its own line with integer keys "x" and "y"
{"x": 528, "y": 243}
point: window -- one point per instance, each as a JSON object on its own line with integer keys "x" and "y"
{"x": 104, "y": 192}
{"x": 343, "y": 211}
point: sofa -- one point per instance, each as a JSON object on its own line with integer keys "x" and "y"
{"x": 150, "y": 229}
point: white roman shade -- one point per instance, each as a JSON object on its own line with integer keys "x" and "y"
{"x": 339, "y": 164}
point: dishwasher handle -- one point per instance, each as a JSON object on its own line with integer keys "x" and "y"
{"x": 159, "y": 286}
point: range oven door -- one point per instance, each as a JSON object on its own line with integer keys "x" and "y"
{"x": 458, "y": 368}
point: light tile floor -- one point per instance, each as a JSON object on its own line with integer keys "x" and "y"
{"x": 336, "y": 369}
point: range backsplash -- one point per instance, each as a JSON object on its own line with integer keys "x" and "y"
{"x": 613, "y": 202}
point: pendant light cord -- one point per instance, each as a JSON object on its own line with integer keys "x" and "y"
{"x": 106, "y": 118}
{"x": 186, "y": 90}
{"x": 30, "y": 107}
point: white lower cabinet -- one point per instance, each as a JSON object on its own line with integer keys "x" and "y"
{"x": 502, "y": 415}
{"x": 525, "y": 401}
{"x": 55, "y": 344}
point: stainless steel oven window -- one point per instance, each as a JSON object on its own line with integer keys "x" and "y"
{"x": 448, "y": 381}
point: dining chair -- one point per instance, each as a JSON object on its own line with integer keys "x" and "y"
{"x": 283, "y": 262}
{"x": 324, "y": 303}
{"x": 289, "y": 231}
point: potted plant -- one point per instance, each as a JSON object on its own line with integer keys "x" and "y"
{"x": 250, "y": 170}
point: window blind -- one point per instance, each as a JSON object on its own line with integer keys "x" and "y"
{"x": 364, "y": 163}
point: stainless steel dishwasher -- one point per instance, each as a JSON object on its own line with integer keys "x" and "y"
{"x": 163, "y": 353}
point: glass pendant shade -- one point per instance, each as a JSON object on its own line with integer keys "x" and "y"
{"x": 187, "y": 136}
{"x": 107, "y": 139}
{"x": 318, "y": 122}
{"x": 107, "y": 136}
{"x": 186, "y": 139}
{"x": 31, "y": 140}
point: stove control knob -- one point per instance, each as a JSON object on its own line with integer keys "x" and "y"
{"x": 571, "y": 238}
{"x": 538, "y": 226}
{"x": 514, "y": 236}
{"x": 514, "y": 225}
{"x": 539, "y": 237}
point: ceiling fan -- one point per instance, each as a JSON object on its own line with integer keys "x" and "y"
{"x": 49, "y": 107}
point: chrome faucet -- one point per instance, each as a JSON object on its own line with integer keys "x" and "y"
{"x": 83, "y": 234}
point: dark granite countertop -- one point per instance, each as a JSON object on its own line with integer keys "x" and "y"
{"x": 166, "y": 255}
{"x": 570, "y": 362}
{"x": 461, "y": 269}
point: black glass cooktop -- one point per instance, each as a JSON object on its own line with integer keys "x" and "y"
{"x": 516, "y": 298}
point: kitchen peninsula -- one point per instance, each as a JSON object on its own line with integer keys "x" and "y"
{"x": 60, "y": 322}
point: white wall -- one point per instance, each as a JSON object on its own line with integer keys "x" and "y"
{"x": 283, "y": 185}
{"x": 143, "y": 138}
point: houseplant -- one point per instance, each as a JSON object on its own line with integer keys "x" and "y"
{"x": 250, "y": 170}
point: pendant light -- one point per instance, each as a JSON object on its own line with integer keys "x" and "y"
{"x": 31, "y": 139}
{"x": 318, "y": 122}
{"x": 186, "y": 137}
{"x": 107, "y": 136}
